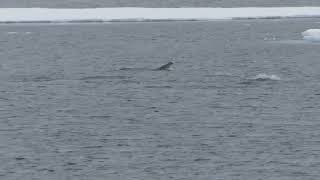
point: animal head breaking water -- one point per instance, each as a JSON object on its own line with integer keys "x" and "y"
{"x": 165, "y": 67}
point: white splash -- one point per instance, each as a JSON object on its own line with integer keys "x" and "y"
{"x": 312, "y": 35}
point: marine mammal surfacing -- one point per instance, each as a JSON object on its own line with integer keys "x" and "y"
{"x": 164, "y": 67}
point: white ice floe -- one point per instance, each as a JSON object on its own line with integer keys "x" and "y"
{"x": 22, "y": 15}
{"x": 311, "y": 35}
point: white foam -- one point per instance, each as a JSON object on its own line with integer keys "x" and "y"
{"x": 45, "y": 15}
{"x": 264, "y": 76}
{"x": 311, "y": 35}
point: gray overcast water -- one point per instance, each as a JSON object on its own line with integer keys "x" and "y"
{"x": 153, "y": 3}
{"x": 67, "y": 111}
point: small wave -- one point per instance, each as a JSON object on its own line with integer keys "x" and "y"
{"x": 41, "y": 78}
{"x": 133, "y": 69}
{"x": 103, "y": 77}
{"x": 223, "y": 74}
{"x": 156, "y": 87}
{"x": 100, "y": 117}
{"x": 298, "y": 42}
{"x": 144, "y": 69}
{"x": 266, "y": 77}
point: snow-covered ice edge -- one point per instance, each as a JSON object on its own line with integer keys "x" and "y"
{"x": 45, "y": 15}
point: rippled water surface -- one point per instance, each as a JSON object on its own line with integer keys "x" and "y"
{"x": 154, "y": 3}
{"x": 242, "y": 101}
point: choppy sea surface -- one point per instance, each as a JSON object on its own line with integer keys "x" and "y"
{"x": 154, "y": 3}
{"x": 241, "y": 102}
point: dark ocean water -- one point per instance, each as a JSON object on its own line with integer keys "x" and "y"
{"x": 154, "y": 3}
{"x": 67, "y": 111}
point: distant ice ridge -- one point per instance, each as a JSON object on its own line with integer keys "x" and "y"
{"x": 264, "y": 77}
{"x": 44, "y": 15}
{"x": 311, "y": 35}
